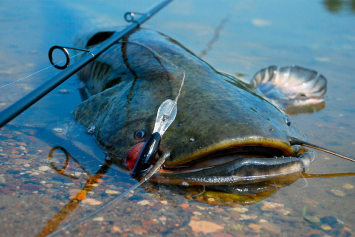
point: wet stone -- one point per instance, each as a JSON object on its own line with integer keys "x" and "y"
{"x": 143, "y": 202}
{"x": 139, "y": 230}
{"x": 204, "y": 227}
{"x": 272, "y": 206}
{"x": 348, "y": 186}
{"x": 44, "y": 168}
{"x": 2, "y": 179}
{"x": 337, "y": 193}
{"x": 100, "y": 218}
{"x": 110, "y": 191}
{"x": 240, "y": 209}
{"x": 255, "y": 227}
{"x": 91, "y": 201}
{"x": 248, "y": 217}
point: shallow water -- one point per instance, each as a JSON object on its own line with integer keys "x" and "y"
{"x": 251, "y": 35}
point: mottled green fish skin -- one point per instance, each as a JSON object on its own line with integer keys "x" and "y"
{"x": 128, "y": 84}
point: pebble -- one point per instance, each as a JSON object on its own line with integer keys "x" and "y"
{"x": 201, "y": 208}
{"x": 151, "y": 222}
{"x": 139, "y": 230}
{"x": 164, "y": 202}
{"x": 162, "y": 219}
{"x": 236, "y": 227}
{"x": 272, "y": 206}
{"x": 184, "y": 205}
{"x": 2, "y": 179}
{"x": 116, "y": 229}
{"x": 110, "y": 191}
{"x": 26, "y": 165}
{"x": 91, "y": 202}
{"x": 255, "y": 227}
{"x": 326, "y": 227}
{"x": 100, "y": 218}
{"x": 348, "y": 186}
{"x": 197, "y": 213}
{"x": 43, "y": 168}
{"x": 204, "y": 226}
{"x": 337, "y": 193}
{"x": 248, "y": 217}
{"x": 143, "y": 202}
{"x": 240, "y": 209}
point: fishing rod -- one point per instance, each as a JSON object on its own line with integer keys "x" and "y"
{"x": 21, "y": 105}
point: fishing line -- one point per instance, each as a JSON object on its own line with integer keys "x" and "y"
{"x": 295, "y": 141}
{"x": 304, "y": 178}
{"x": 168, "y": 61}
{"x": 147, "y": 176}
{"x": 39, "y": 71}
{"x": 165, "y": 116}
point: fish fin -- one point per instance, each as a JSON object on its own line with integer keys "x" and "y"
{"x": 99, "y": 38}
{"x": 88, "y": 112}
{"x": 291, "y": 86}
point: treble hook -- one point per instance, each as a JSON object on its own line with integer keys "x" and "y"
{"x": 65, "y": 51}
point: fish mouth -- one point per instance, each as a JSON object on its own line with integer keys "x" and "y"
{"x": 249, "y": 163}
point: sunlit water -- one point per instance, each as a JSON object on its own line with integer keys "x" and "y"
{"x": 251, "y": 35}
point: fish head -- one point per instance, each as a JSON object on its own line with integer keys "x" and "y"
{"x": 225, "y": 131}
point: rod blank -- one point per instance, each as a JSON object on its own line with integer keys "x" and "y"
{"x": 21, "y": 105}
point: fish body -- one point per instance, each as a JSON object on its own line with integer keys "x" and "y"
{"x": 226, "y": 131}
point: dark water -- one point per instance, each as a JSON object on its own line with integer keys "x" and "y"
{"x": 237, "y": 37}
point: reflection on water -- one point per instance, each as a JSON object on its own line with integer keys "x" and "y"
{"x": 216, "y": 195}
{"x": 230, "y": 195}
{"x": 52, "y": 225}
{"x": 336, "y": 6}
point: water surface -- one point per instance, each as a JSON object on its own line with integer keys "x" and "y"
{"x": 237, "y": 37}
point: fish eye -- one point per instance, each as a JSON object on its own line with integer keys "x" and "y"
{"x": 288, "y": 121}
{"x": 139, "y": 134}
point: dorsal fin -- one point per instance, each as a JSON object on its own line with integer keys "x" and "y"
{"x": 99, "y": 38}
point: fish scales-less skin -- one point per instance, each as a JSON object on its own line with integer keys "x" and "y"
{"x": 217, "y": 110}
